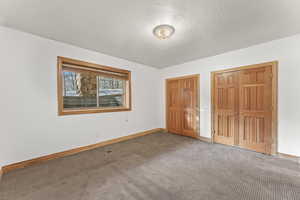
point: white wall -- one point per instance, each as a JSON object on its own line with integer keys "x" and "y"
{"x": 286, "y": 51}
{"x": 30, "y": 126}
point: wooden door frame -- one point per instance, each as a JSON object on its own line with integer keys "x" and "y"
{"x": 197, "y": 76}
{"x": 274, "y": 66}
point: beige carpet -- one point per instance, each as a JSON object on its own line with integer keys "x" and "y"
{"x": 158, "y": 167}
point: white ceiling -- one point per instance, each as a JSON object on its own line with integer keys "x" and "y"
{"x": 123, "y": 28}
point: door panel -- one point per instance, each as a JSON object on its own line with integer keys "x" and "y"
{"x": 182, "y": 106}
{"x": 189, "y": 106}
{"x": 174, "y": 120}
{"x": 226, "y": 108}
{"x": 256, "y": 109}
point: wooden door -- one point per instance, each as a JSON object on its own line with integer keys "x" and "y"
{"x": 189, "y": 91}
{"x": 255, "y": 110}
{"x": 174, "y": 103}
{"x": 244, "y": 110}
{"x": 182, "y": 105}
{"x": 226, "y": 108}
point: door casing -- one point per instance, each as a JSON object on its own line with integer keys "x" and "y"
{"x": 274, "y": 125}
{"x": 197, "y": 76}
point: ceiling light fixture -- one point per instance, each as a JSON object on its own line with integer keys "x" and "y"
{"x": 163, "y": 31}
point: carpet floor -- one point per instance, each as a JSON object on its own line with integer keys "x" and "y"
{"x": 158, "y": 167}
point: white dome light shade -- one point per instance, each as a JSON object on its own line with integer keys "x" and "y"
{"x": 163, "y": 31}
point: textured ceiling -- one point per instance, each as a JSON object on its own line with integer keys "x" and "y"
{"x": 124, "y": 28}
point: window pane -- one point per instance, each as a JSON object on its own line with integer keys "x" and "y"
{"x": 111, "y": 92}
{"x": 80, "y": 89}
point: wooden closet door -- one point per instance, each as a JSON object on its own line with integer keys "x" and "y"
{"x": 255, "y": 112}
{"x": 189, "y": 93}
{"x": 182, "y": 105}
{"x": 174, "y": 107}
{"x": 226, "y": 108}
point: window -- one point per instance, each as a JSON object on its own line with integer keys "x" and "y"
{"x": 90, "y": 88}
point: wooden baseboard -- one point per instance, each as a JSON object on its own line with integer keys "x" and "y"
{"x": 34, "y": 161}
{"x": 205, "y": 139}
{"x": 289, "y": 156}
{"x": 164, "y": 130}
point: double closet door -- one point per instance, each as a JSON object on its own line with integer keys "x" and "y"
{"x": 243, "y": 108}
{"x": 182, "y": 105}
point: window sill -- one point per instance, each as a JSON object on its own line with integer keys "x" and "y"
{"x": 92, "y": 110}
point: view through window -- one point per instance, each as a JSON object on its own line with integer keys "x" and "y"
{"x": 84, "y": 88}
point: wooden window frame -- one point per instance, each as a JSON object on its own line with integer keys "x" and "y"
{"x": 274, "y": 131}
{"x": 90, "y": 67}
